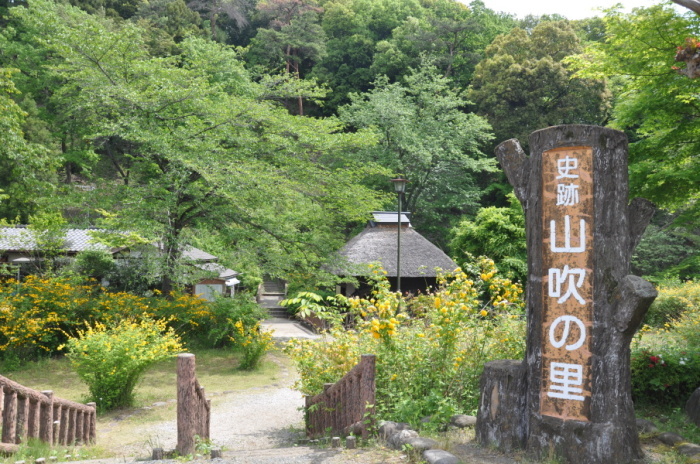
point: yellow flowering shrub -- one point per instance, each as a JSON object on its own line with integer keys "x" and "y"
{"x": 39, "y": 314}
{"x": 673, "y": 301}
{"x": 111, "y": 359}
{"x": 430, "y": 349}
{"x": 35, "y": 314}
{"x": 252, "y": 342}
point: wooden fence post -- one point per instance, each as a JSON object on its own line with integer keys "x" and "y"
{"x": 307, "y": 416}
{"x": 46, "y": 419}
{"x": 328, "y": 409}
{"x": 34, "y": 418}
{"x": 65, "y": 424}
{"x": 368, "y": 391}
{"x": 91, "y": 435}
{"x": 9, "y": 418}
{"x": 185, "y": 403}
{"x": 70, "y": 433}
{"x": 79, "y": 427}
{"x": 56, "y": 424}
{"x": 22, "y": 419}
{"x": 207, "y": 421}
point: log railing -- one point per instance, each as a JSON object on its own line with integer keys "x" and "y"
{"x": 28, "y": 413}
{"x": 346, "y": 406}
{"x": 193, "y": 409}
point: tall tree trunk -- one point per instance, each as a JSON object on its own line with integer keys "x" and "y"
{"x": 69, "y": 173}
{"x": 212, "y": 25}
{"x": 171, "y": 251}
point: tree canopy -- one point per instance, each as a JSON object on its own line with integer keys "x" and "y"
{"x": 189, "y": 142}
{"x": 654, "y": 104}
{"x": 426, "y": 136}
{"x": 266, "y": 131}
{"x": 523, "y": 83}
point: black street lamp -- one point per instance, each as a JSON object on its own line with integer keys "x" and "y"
{"x": 400, "y": 189}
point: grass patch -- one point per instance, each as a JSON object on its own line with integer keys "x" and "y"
{"x": 34, "y": 449}
{"x": 669, "y": 419}
{"x": 51, "y": 374}
{"x": 135, "y": 431}
{"x": 216, "y": 370}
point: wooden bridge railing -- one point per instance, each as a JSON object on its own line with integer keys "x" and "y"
{"x": 345, "y": 406}
{"x": 28, "y": 413}
{"x": 193, "y": 409}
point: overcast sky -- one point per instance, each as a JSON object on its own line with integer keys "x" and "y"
{"x": 572, "y": 9}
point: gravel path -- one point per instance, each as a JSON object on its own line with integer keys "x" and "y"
{"x": 260, "y": 426}
{"x": 253, "y": 419}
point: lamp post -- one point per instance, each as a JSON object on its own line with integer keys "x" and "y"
{"x": 400, "y": 189}
{"x": 18, "y": 262}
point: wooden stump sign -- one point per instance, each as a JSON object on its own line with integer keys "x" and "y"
{"x": 571, "y": 396}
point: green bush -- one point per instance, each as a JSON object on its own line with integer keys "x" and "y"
{"x": 666, "y": 361}
{"x": 664, "y": 376}
{"x": 39, "y": 314}
{"x": 666, "y": 251}
{"x": 687, "y": 328}
{"x": 224, "y": 313}
{"x": 96, "y": 264}
{"x": 495, "y": 232}
{"x": 110, "y": 360}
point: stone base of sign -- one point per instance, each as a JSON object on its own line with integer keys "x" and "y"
{"x": 692, "y": 408}
{"x": 500, "y": 420}
{"x": 583, "y": 442}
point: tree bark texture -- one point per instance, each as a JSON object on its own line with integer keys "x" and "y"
{"x": 504, "y": 390}
{"x": 692, "y": 407}
{"x": 193, "y": 409}
{"x": 186, "y": 401}
{"x": 603, "y": 430}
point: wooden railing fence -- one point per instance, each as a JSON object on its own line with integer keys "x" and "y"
{"x": 346, "y": 406}
{"x": 193, "y": 409}
{"x": 28, "y": 413}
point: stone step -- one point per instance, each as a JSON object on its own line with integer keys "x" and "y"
{"x": 270, "y": 304}
{"x": 278, "y": 312}
{"x": 272, "y": 291}
{"x": 271, "y": 297}
{"x": 272, "y": 287}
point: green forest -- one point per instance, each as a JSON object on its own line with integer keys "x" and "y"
{"x": 266, "y": 131}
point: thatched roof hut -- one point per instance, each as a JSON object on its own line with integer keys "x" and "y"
{"x": 377, "y": 243}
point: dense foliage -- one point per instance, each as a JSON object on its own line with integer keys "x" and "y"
{"x": 524, "y": 85}
{"x": 424, "y": 134}
{"x": 265, "y": 131}
{"x": 174, "y": 144}
{"x": 495, "y": 232}
{"x": 654, "y": 104}
{"x": 181, "y": 121}
{"x": 430, "y": 350}
{"x": 40, "y": 314}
